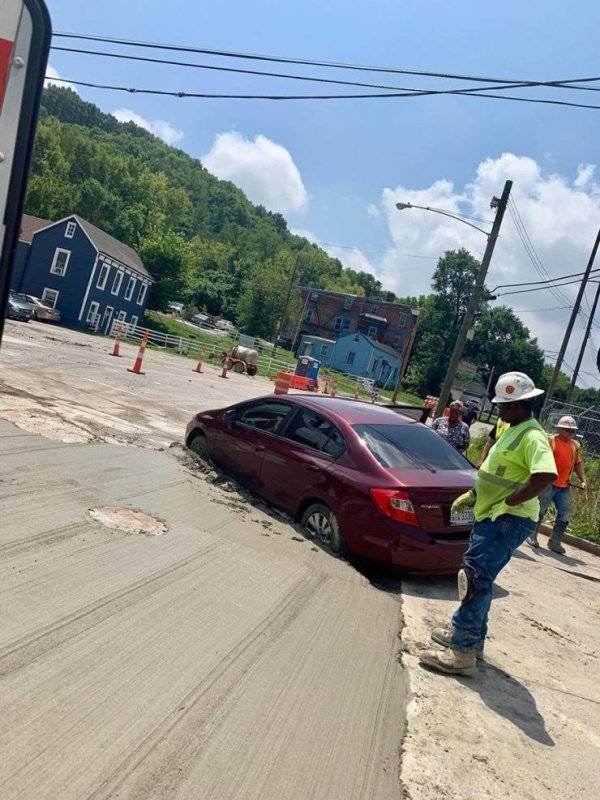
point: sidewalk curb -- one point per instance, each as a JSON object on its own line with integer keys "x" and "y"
{"x": 574, "y": 541}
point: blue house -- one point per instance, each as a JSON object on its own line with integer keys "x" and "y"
{"x": 90, "y": 276}
{"x": 356, "y": 354}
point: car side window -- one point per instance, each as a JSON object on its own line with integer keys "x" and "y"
{"x": 314, "y": 431}
{"x": 268, "y": 417}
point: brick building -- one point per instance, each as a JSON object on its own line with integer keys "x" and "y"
{"x": 332, "y": 315}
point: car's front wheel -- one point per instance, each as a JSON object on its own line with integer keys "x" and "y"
{"x": 199, "y": 446}
{"x": 319, "y": 522}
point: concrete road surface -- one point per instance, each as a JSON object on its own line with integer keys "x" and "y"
{"x": 226, "y": 658}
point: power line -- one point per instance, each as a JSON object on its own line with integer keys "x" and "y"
{"x": 288, "y": 76}
{"x": 532, "y": 310}
{"x": 544, "y": 281}
{"x": 386, "y": 95}
{"x": 317, "y": 63}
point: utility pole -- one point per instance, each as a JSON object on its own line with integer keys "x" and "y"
{"x": 585, "y": 338}
{"x": 407, "y": 355}
{"x": 475, "y": 300}
{"x": 283, "y": 317}
{"x": 569, "y": 330}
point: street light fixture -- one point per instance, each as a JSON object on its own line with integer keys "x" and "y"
{"x": 500, "y": 205}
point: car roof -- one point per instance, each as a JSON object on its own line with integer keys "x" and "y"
{"x": 353, "y": 412}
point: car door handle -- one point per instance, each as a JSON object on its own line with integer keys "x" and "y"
{"x": 260, "y": 448}
{"x": 312, "y": 468}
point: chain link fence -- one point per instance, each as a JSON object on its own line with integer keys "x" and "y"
{"x": 588, "y": 422}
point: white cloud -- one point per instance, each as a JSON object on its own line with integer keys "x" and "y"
{"x": 351, "y": 257}
{"x": 159, "y": 127}
{"x": 373, "y": 210}
{"x": 263, "y": 169}
{"x": 560, "y": 215}
{"x": 52, "y": 74}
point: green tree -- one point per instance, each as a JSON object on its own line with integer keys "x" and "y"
{"x": 168, "y": 258}
{"x": 262, "y": 303}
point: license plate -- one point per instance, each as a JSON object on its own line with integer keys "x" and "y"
{"x": 463, "y": 517}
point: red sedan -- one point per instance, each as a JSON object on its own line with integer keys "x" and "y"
{"x": 360, "y": 477}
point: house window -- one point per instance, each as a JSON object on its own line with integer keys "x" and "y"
{"x": 142, "y": 294}
{"x": 314, "y": 295}
{"x": 49, "y": 297}
{"x": 372, "y": 332}
{"x": 130, "y": 288}
{"x": 116, "y": 287}
{"x": 348, "y": 303}
{"x": 375, "y": 365}
{"x": 402, "y": 320}
{"x": 70, "y": 230}
{"x": 350, "y": 358}
{"x": 309, "y": 314}
{"x": 121, "y": 316}
{"x": 341, "y": 324}
{"x": 60, "y": 261}
{"x": 133, "y": 322}
{"x": 93, "y": 312}
{"x": 397, "y": 341}
{"x": 324, "y": 349}
{"x": 374, "y": 308}
{"x": 103, "y": 276}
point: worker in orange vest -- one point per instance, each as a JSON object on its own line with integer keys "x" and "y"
{"x": 567, "y": 455}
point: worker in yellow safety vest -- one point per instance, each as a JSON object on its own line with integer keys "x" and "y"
{"x": 496, "y": 432}
{"x": 506, "y": 511}
{"x": 567, "y": 456}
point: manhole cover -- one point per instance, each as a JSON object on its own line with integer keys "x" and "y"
{"x": 128, "y": 520}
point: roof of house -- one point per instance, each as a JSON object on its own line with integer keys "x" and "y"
{"x": 384, "y": 348}
{"x": 107, "y": 244}
{"x": 31, "y": 225}
{"x": 471, "y": 387}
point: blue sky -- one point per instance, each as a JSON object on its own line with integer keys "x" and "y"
{"x": 347, "y": 154}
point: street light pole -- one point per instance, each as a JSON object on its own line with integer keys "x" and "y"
{"x": 586, "y": 337}
{"x": 569, "y": 330}
{"x": 474, "y": 301}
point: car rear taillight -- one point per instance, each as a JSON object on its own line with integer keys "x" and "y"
{"x": 396, "y": 504}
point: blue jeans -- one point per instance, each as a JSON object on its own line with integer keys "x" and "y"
{"x": 561, "y": 497}
{"x": 490, "y": 547}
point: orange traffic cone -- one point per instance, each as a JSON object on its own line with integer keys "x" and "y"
{"x": 199, "y": 364}
{"x": 137, "y": 367}
{"x": 333, "y": 390}
{"x": 224, "y": 370}
{"x": 115, "y": 350}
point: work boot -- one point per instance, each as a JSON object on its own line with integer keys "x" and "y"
{"x": 452, "y": 662}
{"x": 532, "y": 540}
{"x": 555, "y": 540}
{"x": 443, "y": 636}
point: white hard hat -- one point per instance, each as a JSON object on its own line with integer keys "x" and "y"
{"x": 567, "y": 422}
{"x": 515, "y": 386}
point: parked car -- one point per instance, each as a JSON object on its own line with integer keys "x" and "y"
{"x": 19, "y": 307}
{"x": 42, "y": 311}
{"x": 360, "y": 477}
{"x": 176, "y": 308}
{"x": 224, "y": 325}
{"x": 202, "y": 320}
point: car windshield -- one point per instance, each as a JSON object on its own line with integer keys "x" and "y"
{"x": 410, "y": 447}
{"x": 22, "y": 298}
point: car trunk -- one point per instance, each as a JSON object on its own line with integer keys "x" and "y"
{"x": 432, "y": 494}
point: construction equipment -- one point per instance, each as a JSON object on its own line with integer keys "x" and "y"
{"x": 241, "y": 360}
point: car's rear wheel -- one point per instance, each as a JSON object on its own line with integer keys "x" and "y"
{"x": 199, "y": 446}
{"x": 321, "y": 523}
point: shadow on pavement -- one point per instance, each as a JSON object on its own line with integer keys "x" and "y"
{"x": 509, "y": 698}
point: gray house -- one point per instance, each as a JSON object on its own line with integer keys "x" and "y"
{"x": 90, "y": 276}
